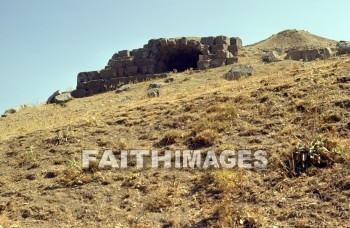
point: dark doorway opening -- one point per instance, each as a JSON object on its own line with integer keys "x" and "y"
{"x": 179, "y": 57}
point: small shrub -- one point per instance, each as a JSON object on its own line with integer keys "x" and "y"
{"x": 319, "y": 153}
{"x": 170, "y": 137}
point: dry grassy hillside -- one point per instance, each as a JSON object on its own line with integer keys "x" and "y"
{"x": 282, "y": 104}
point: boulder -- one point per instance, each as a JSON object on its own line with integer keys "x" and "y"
{"x": 51, "y": 99}
{"x": 238, "y": 71}
{"x": 271, "y": 56}
{"x": 343, "y": 47}
{"x": 155, "y": 85}
{"x": 123, "y": 88}
{"x": 155, "y": 92}
{"x": 168, "y": 80}
{"x": 63, "y": 98}
{"x": 236, "y": 41}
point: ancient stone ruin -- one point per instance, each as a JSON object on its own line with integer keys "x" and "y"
{"x": 158, "y": 57}
{"x": 309, "y": 54}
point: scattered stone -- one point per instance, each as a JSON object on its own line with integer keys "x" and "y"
{"x": 13, "y": 110}
{"x": 123, "y": 88}
{"x": 343, "y": 47}
{"x": 168, "y": 80}
{"x": 51, "y": 99}
{"x": 155, "y": 85}
{"x": 309, "y": 54}
{"x": 238, "y": 71}
{"x": 155, "y": 92}
{"x": 63, "y": 98}
{"x": 272, "y": 56}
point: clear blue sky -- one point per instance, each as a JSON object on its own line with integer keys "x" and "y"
{"x": 44, "y": 44}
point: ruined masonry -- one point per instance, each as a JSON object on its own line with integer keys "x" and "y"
{"x": 157, "y": 57}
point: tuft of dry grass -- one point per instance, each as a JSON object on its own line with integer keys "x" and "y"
{"x": 205, "y": 138}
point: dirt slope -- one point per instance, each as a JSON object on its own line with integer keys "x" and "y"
{"x": 293, "y": 38}
{"x": 282, "y": 104}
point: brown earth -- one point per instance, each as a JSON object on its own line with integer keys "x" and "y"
{"x": 42, "y": 183}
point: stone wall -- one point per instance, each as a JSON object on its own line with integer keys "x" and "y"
{"x": 343, "y": 47}
{"x": 156, "y": 57}
{"x": 309, "y": 54}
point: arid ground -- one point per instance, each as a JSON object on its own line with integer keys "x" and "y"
{"x": 283, "y": 105}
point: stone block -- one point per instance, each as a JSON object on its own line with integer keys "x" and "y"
{"x": 131, "y": 70}
{"x": 150, "y": 69}
{"x": 217, "y": 47}
{"x": 143, "y": 69}
{"x": 124, "y": 54}
{"x": 128, "y": 62}
{"x": 205, "y": 51}
{"x": 204, "y": 57}
{"x": 207, "y": 40}
{"x": 343, "y": 47}
{"x": 217, "y": 62}
{"x": 232, "y": 60}
{"x": 203, "y": 64}
{"x": 182, "y": 41}
{"x": 121, "y": 72}
{"x": 222, "y": 40}
{"x": 145, "y": 62}
{"x": 233, "y": 49}
{"x": 107, "y": 73}
{"x": 223, "y": 54}
{"x": 236, "y": 41}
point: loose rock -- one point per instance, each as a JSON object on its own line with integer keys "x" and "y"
{"x": 51, "y": 99}
{"x": 238, "y": 71}
{"x": 272, "y": 56}
{"x": 63, "y": 98}
{"x": 13, "y": 110}
{"x": 155, "y": 92}
{"x": 123, "y": 88}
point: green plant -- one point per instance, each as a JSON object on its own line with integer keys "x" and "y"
{"x": 319, "y": 153}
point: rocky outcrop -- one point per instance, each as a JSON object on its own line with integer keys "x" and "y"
{"x": 309, "y": 54}
{"x": 238, "y": 71}
{"x": 343, "y": 47}
{"x": 156, "y": 57}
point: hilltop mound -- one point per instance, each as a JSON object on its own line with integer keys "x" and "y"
{"x": 288, "y": 39}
